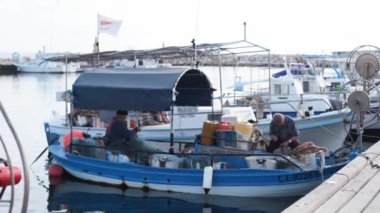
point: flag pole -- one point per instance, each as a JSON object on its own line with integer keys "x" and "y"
{"x": 97, "y": 44}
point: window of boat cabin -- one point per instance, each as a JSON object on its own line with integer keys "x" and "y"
{"x": 216, "y": 116}
{"x": 306, "y": 86}
{"x": 280, "y": 89}
{"x": 150, "y": 118}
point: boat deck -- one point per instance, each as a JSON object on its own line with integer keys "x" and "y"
{"x": 355, "y": 188}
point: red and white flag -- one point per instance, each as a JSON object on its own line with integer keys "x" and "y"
{"x": 108, "y": 25}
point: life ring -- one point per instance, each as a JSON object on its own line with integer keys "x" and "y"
{"x": 76, "y": 134}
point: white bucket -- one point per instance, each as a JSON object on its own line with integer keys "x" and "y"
{"x": 122, "y": 158}
{"x": 155, "y": 161}
{"x": 243, "y": 145}
{"x": 219, "y": 165}
{"x": 117, "y": 158}
{"x": 259, "y": 162}
{"x": 166, "y": 161}
{"x": 310, "y": 161}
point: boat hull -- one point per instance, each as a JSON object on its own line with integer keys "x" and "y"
{"x": 49, "y": 67}
{"x": 327, "y": 129}
{"x": 230, "y": 182}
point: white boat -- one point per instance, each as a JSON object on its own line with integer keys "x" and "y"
{"x": 187, "y": 122}
{"x": 292, "y": 91}
{"x": 40, "y": 64}
{"x": 326, "y": 129}
{"x": 137, "y": 63}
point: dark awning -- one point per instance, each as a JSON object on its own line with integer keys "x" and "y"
{"x": 141, "y": 89}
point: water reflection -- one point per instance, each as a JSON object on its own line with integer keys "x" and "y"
{"x": 72, "y": 195}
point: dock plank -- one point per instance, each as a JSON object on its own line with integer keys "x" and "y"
{"x": 351, "y": 189}
{"x": 374, "y": 206}
{"x": 321, "y": 194}
{"x": 364, "y": 197}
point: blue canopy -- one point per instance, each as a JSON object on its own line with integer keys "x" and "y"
{"x": 279, "y": 74}
{"x": 141, "y": 89}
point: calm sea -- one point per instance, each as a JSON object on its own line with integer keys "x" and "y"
{"x": 30, "y": 100}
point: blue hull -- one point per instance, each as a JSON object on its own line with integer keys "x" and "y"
{"x": 191, "y": 180}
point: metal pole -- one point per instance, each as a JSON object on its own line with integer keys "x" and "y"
{"x": 66, "y": 108}
{"x": 269, "y": 61}
{"x": 98, "y": 44}
{"x": 245, "y": 31}
{"x": 171, "y": 150}
{"x": 220, "y": 81}
{"x": 23, "y": 159}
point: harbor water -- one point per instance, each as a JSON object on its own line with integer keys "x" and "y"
{"x": 30, "y": 100}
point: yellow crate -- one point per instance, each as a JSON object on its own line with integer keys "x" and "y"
{"x": 245, "y": 128}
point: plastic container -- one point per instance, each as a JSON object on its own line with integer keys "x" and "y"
{"x": 258, "y": 162}
{"x": 244, "y": 145}
{"x": 165, "y": 161}
{"x": 224, "y": 126}
{"x": 310, "y": 161}
{"x": 220, "y": 165}
{"x": 117, "y": 158}
{"x": 226, "y": 138}
{"x": 199, "y": 164}
{"x": 208, "y": 131}
{"x": 231, "y": 119}
{"x": 244, "y": 128}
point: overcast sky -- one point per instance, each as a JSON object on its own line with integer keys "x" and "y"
{"x": 284, "y": 26}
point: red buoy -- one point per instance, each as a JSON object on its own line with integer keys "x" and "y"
{"x": 76, "y": 134}
{"x": 5, "y": 175}
{"x": 55, "y": 170}
{"x": 55, "y": 180}
{"x": 224, "y": 126}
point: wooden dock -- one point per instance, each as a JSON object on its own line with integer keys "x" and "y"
{"x": 354, "y": 188}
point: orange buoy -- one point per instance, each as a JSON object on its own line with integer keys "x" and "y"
{"x": 76, "y": 134}
{"x": 5, "y": 175}
{"x": 132, "y": 124}
{"x": 55, "y": 170}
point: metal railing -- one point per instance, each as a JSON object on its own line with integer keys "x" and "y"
{"x": 9, "y": 163}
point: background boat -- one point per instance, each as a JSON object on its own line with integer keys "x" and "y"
{"x": 41, "y": 64}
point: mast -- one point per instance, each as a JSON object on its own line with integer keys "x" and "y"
{"x": 97, "y": 43}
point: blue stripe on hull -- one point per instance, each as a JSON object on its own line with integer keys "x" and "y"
{"x": 185, "y": 177}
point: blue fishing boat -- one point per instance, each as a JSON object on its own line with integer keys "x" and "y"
{"x": 207, "y": 170}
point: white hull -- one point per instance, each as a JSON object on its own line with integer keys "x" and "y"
{"x": 243, "y": 191}
{"x": 371, "y": 122}
{"x": 49, "y": 67}
{"x": 326, "y": 130}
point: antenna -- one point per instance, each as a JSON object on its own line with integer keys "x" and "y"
{"x": 195, "y": 62}
{"x": 245, "y": 31}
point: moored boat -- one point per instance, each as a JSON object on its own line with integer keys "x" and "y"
{"x": 246, "y": 173}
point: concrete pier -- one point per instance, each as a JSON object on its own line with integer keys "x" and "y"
{"x": 354, "y": 188}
